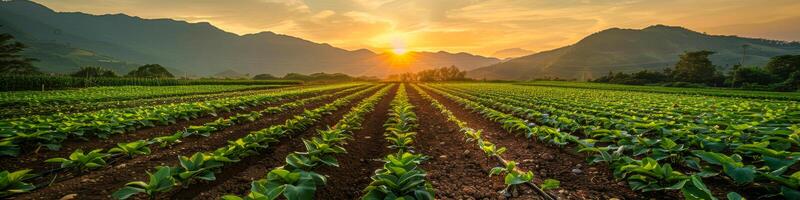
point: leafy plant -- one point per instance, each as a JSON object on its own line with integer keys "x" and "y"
{"x": 731, "y": 165}
{"x": 12, "y": 182}
{"x": 259, "y": 191}
{"x": 198, "y": 166}
{"x": 131, "y": 149}
{"x": 513, "y": 176}
{"x": 164, "y": 141}
{"x": 160, "y": 181}
{"x": 550, "y": 184}
{"x": 297, "y": 184}
{"x": 648, "y": 175}
{"x": 81, "y": 161}
{"x": 399, "y": 179}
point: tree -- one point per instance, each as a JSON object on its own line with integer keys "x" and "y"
{"x": 783, "y": 66}
{"x": 150, "y": 71}
{"x": 265, "y": 77}
{"x": 695, "y": 67}
{"x": 10, "y": 59}
{"x": 90, "y": 72}
{"x": 753, "y": 75}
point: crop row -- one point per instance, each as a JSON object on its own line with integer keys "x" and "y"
{"x": 203, "y": 165}
{"x": 401, "y": 176}
{"x": 14, "y": 82}
{"x": 297, "y": 180}
{"x": 514, "y": 176}
{"x": 705, "y": 151}
{"x": 645, "y": 175}
{"x": 81, "y": 161}
{"x": 86, "y": 106}
{"x": 100, "y": 94}
{"x": 673, "y": 90}
{"x": 50, "y": 131}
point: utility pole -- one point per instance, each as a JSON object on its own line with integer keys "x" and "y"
{"x": 741, "y": 64}
{"x": 744, "y": 53}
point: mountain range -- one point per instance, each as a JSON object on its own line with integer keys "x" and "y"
{"x": 630, "y": 50}
{"x": 65, "y": 41}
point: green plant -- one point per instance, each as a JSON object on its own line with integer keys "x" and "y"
{"x": 648, "y": 175}
{"x": 490, "y": 149}
{"x": 198, "y": 166}
{"x": 297, "y": 184}
{"x": 131, "y": 149}
{"x": 731, "y": 166}
{"x": 259, "y": 191}
{"x": 550, "y": 184}
{"x": 513, "y": 176}
{"x": 400, "y": 178}
{"x": 164, "y": 141}
{"x": 12, "y": 182}
{"x": 160, "y": 181}
{"x": 81, "y": 161}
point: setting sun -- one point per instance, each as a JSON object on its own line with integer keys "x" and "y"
{"x": 399, "y": 51}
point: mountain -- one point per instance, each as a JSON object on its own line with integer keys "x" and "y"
{"x": 196, "y": 48}
{"x": 629, "y": 50}
{"x": 511, "y": 53}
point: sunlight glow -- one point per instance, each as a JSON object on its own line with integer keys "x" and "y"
{"x": 399, "y": 51}
{"x": 398, "y": 44}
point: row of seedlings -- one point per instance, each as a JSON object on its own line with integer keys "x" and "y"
{"x": 297, "y": 180}
{"x": 203, "y": 165}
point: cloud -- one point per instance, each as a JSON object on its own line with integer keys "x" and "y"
{"x": 475, "y": 26}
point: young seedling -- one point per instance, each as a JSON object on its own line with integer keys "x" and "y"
{"x": 131, "y": 149}
{"x": 81, "y": 161}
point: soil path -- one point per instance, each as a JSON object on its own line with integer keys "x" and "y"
{"x": 457, "y": 169}
{"x": 364, "y": 154}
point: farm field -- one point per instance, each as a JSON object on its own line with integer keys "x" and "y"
{"x": 363, "y": 140}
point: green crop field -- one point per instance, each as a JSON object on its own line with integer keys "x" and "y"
{"x": 459, "y": 140}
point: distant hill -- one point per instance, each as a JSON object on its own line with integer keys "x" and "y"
{"x": 196, "y": 48}
{"x": 230, "y": 74}
{"x": 511, "y": 53}
{"x": 629, "y": 50}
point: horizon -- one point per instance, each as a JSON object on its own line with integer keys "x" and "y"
{"x": 457, "y": 28}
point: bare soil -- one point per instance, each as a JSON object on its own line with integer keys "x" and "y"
{"x": 363, "y": 157}
{"x": 457, "y": 169}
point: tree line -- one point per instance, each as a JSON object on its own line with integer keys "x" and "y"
{"x": 694, "y": 69}
{"x": 451, "y": 73}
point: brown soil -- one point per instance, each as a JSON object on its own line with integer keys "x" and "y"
{"x": 591, "y": 182}
{"x": 457, "y": 169}
{"x": 101, "y": 183}
{"x": 35, "y": 160}
{"x": 364, "y": 154}
{"x": 236, "y": 178}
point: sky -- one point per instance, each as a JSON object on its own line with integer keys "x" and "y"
{"x": 502, "y": 28}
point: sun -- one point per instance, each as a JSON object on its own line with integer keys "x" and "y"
{"x": 398, "y": 44}
{"x": 399, "y": 50}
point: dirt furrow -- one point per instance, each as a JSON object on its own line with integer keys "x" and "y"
{"x": 456, "y": 168}
{"x": 362, "y": 158}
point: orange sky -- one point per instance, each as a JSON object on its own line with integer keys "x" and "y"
{"x": 474, "y": 26}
